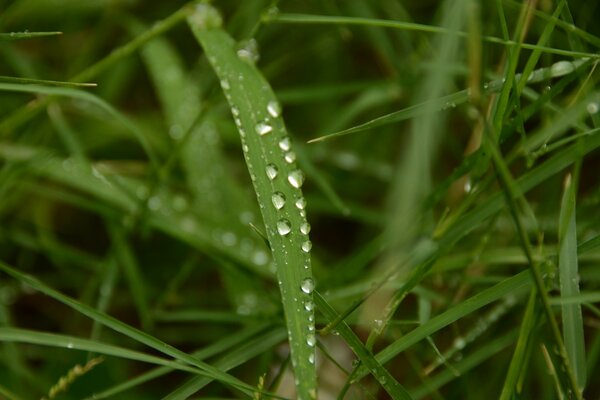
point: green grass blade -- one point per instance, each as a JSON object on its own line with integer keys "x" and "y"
{"x": 14, "y": 79}
{"x": 469, "y": 362}
{"x": 339, "y": 20}
{"x": 26, "y": 35}
{"x": 249, "y": 336}
{"x": 509, "y": 286}
{"x": 569, "y": 283}
{"x": 232, "y": 359}
{"x": 131, "y": 332}
{"x": 15, "y": 335}
{"x": 127, "y": 261}
{"x": 277, "y": 183}
{"x": 519, "y": 358}
{"x": 79, "y": 94}
{"x": 383, "y": 376}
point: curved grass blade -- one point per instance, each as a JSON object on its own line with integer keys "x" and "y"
{"x": 129, "y": 331}
{"x": 277, "y": 183}
{"x": 340, "y": 20}
{"x": 383, "y": 376}
{"x": 509, "y": 286}
{"x": 16, "y": 335}
{"x": 79, "y": 94}
{"x": 230, "y": 360}
{"x": 572, "y": 320}
{"x": 222, "y": 345}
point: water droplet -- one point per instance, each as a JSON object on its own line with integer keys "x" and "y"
{"x": 262, "y": 128}
{"x": 296, "y": 178}
{"x": 278, "y": 200}
{"x": 70, "y": 345}
{"x": 225, "y": 84}
{"x": 274, "y": 109}
{"x": 305, "y": 228}
{"x": 593, "y": 108}
{"x": 309, "y": 305}
{"x": 301, "y": 203}
{"x": 561, "y": 68}
{"x": 307, "y": 285}
{"x": 284, "y": 227}
{"x": 306, "y": 246}
{"x": 311, "y": 340}
{"x": 285, "y": 144}
{"x": 290, "y": 157}
{"x": 272, "y": 171}
{"x": 248, "y": 51}
{"x": 311, "y": 358}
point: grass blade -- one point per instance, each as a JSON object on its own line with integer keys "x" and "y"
{"x": 16, "y": 335}
{"x": 339, "y": 20}
{"x": 383, "y": 376}
{"x": 121, "y": 327}
{"x": 507, "y": 287}
{"x": 569, "y": 283}
{"x": 26, "y": 35}
{"x": 277, "y": 183}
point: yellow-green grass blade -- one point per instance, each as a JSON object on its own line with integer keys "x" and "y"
{"x": 277, "y": 183}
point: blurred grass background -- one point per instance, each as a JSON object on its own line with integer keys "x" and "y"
{"x": 141, "y": 206}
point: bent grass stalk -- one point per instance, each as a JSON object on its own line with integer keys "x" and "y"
{"x": 277, "y": 182}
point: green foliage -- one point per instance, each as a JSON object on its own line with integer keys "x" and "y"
{"x": 161, "y": 162}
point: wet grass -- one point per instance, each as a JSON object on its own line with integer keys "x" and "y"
{"x": 320, "y": 200}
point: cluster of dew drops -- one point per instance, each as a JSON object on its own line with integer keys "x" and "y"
{"x": 248, "y": 52}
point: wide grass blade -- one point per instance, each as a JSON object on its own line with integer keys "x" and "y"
{"x": 277, "y": 182}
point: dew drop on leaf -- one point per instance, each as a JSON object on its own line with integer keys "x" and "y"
{"x": 307, "y": 285}
{"x": 306, "y": 246}
{"x": 274, "y": 109}
{"x": 271, "y": 170}
{"x": 278, "y": 200}
{"x": 305, "y": 228}
{"x": 296, "y": 178}
{"x": 262, "y": 128}
{"x": 301, "y": 203}
{"x": 290, "y": 157}
{"x": 284, "y": 227}
{"x": 285, "y": 144}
